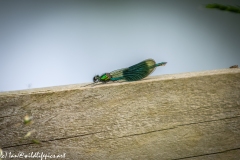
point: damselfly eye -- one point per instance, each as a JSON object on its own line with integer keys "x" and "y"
{"x": 96, "y": 79}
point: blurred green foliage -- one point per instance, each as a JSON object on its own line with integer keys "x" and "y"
{"x": 234, "y": 9}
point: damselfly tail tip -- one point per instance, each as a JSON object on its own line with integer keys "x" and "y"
{"x": 162, "y": 64}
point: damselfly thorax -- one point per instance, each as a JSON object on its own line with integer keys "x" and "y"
{"x": 103, "y": 78}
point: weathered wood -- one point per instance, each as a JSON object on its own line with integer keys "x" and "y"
{"x": 182, "y": 116}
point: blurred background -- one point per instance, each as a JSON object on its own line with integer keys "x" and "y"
{"x": 51, "y": 43}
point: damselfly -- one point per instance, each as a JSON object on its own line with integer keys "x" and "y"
{"x": 132, "y": 73}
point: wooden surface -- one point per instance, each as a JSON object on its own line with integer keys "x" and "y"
{"x": 181, "y": 116}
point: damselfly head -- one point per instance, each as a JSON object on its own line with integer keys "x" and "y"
{"x": 96, "y": 79}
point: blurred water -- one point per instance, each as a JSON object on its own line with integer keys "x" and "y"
{"x": 45, "y": 43}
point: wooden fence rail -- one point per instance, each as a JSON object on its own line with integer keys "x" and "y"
{"x": 182, "y": 116}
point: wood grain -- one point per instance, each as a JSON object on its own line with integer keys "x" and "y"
{"x": 183, "y": 116}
